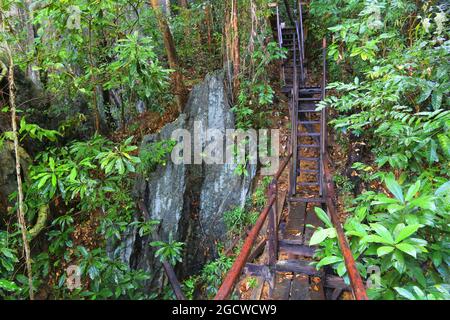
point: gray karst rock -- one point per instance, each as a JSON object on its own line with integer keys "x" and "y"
{"x": 190, "y": 200}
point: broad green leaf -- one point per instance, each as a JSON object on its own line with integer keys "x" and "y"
{"x": 318, "y": 237}
{"x": 412, "y": 191}
{"x": 53, "y": 180}
{"x": 419, "y": 292}
{"x": 381, "y": 251}
{"x": 43, "y": 181}
{"x": 73, "y": 174}
{"x": 8, "y": 285}
{"x": 341, "y": 269}
{"x": 375, "y": 239}
{"x": 120, "y": 166}
{"x": 382, "y": 232}
{"x": 406, "y": 232}
{"x": 443, "y": 190}
{"x": 51, "y": 163}
{"x": 424, "y": 202}
{"x": 394, "y": 187}
{"x": 405, "y": 293}
{"x": 407, "y": 248}
{"x": 436, "y": 257}
{"x": 328, "y": 260}
{"x": 399, "y": 261}
{"x": 323, "y": 216}
{"x": 83, "y": 251}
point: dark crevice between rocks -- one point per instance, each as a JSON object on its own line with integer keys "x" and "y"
{"x": 189, "y": 225}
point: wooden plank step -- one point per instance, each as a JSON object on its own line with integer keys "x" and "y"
{"x": 292, "y": 242}
{"x": 256, "y": 270}
{"x": 316, "y": 290}
{"x": 296, "y": 266}
{"x": 298, "y": 250}
{"x": 300, "y": 288}
{"x": 336, "y": 283}
{"x": 282, "y": 288}
{"x": 296, "y": 221}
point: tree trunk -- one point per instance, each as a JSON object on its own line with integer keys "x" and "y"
{"x": 180, "y": 89}
{"x": 183, "y": 4}
{"x": 21, "y": 208}
{"x": 209, "y": 23}
{"x": 235, "y": 45}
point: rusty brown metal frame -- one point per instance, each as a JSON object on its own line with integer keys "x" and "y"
{"x": 294, "y": 115}
{"x": 270, "y": 210}
{"x": 356, "y": 281}
{"x": 327, "y": 184}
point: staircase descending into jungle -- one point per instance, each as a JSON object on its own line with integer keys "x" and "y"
{"x": 285, "y": 267}
{"x": 295, "y": 279}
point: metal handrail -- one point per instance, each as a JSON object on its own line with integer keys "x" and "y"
{"x": 356, "y": 281}
{"x": 301, "y": 43}
{"x": 323, "y": 125}
{"x": 239, "y": 264}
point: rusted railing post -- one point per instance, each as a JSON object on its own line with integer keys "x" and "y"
{"x": 236, "y": 269}
{"x": 359, "y": 290}
{"x": 323, "y": 124}
{"x": 272, "y": 225}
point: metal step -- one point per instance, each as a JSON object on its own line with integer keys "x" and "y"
{"x": 308, "y": 184}
{"x": 307, "y": 110}
{"x": 306, "y": 200}
{"x": 309, "y": 122}
{"x": 308, "y": 146}
{"x": 308, "y": 171}
{"x": 309, "y": 99}
{"x": 308, "y": 159}
{"x": 304, "y": 134}
{"x": 312, "y": 90}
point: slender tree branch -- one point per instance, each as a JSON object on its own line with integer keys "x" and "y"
{"x": 20, "y": 210}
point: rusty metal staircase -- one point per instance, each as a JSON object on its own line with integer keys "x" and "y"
{"x": 286, "y": 266}
{"x": 308, "y": 124}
